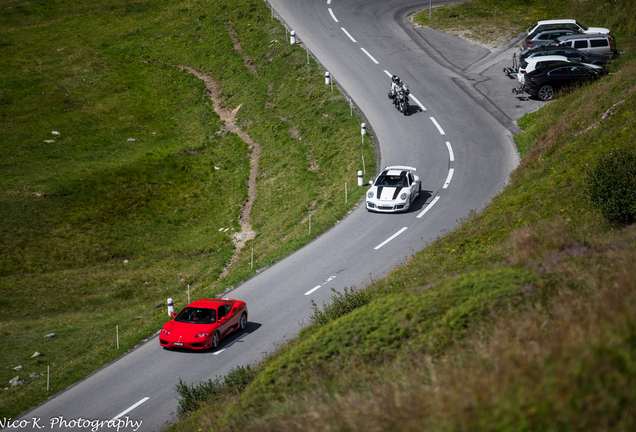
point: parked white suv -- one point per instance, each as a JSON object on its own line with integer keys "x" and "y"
{"x": 532, "y": 63}
{"x": 566, "y": 23}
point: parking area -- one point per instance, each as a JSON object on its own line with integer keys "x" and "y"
{"x": 482, "y": 72}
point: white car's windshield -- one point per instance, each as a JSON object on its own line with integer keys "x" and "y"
{"x": 392, "y": 181}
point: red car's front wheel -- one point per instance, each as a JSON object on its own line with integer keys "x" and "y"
{"x": 216, "y": 337}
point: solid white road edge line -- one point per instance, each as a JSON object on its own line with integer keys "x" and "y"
{"x": 418, "y": 102}
{"x": 450, "y": 151}
{"x": 428, "y": 207}
{"x": 130, "y": 409}
{"x": 329, "y": 279}
{"x": 391, "y": 238}
{"x": 332, "y": 15}
{"x": 439, "y": 128}
{"x": 370, "y": 56}
{"x": 219, "y": 351}
{"x": 347, "y": 33}
{"x": 448, "y": 179}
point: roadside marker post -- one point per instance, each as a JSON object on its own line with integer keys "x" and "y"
{"x": 363, "y": 132}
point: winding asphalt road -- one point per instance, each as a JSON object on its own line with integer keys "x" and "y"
{"x": 459, "y": 140}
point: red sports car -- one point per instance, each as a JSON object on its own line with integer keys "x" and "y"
{"x": 203, "y": 323}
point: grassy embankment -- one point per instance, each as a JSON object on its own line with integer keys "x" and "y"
{"x": 98, "y": 229}
{"x": 521, "y": 319}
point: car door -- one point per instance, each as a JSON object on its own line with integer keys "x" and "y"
{"x": 572, "y": 55}
{"x": 234, "y": 317}
{"x": 580, "y": 73}
{"x": 559, "y": 77}
{"x": 224, "y": 319}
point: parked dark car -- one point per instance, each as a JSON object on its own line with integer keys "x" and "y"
{"x": 571, "y": 53}
{"x": 545, "y": 36}
{"x": 545, "y": 82}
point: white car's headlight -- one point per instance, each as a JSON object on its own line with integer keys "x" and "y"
{"x": 403, "y": 196}
{"x": 370, "y": 195}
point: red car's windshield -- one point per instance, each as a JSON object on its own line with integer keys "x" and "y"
{"x": 196, "y": 316}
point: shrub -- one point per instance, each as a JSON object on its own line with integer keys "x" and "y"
{"x": 190, "y": 397}
{"x": 341, "y": 304}
{"x": 611, "y": 186}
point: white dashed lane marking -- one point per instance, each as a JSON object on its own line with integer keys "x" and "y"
{"x": 347, "y": 33}
{"x": 390, "y": 238}
{"x": 123, "y": 413}
{"x": 439, "y": 128}
{"x": 428, "y": 207}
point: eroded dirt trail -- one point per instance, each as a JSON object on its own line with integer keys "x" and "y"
{"x": 229, "y": 117}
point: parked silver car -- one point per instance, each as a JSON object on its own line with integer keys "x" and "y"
{"x": 543, "y": 37}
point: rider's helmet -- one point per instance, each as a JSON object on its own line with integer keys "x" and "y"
{"x": 395, "y": 79}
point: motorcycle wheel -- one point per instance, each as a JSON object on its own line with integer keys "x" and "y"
{"x": 403, "y": 108}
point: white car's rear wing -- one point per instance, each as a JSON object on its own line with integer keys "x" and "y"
{"x": 399, "y": 167}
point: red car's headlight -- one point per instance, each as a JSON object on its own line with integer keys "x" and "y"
{"x": 165, "y": 332}
{"x": 202, "y": 334}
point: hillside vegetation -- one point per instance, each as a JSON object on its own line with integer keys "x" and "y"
{"x": 521, "y": 319}
{"x": 120, "y": 185}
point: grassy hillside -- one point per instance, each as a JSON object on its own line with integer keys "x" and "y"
{"x": 119, "y": 184}
{"x": 521, "y": 319}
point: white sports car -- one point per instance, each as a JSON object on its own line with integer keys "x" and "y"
{"x": 394, "y": 190}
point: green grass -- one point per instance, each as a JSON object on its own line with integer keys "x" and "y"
{"x": 521, "y": 319}
{"x": 97, "y": 231}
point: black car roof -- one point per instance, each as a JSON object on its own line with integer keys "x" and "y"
{"x": 563, "y": 47}
{"x": 556, "y": 66}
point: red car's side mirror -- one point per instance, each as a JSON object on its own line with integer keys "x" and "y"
{"x": 222, "y": 320}
{"x": 172, "y": 314}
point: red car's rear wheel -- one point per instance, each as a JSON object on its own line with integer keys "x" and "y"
{"x": 243, "y": 322}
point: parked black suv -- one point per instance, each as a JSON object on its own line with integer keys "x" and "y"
{"x": 545, "y": 82}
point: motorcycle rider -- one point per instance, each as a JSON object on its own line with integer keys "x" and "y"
{"x": 397, "y": 85}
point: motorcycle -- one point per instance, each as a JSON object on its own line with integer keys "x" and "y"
{"x": 400, "y": 100}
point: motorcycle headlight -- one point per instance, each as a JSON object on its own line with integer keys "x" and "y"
{"x": 370, "y": 195}
{"x": 403, "y": 196}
